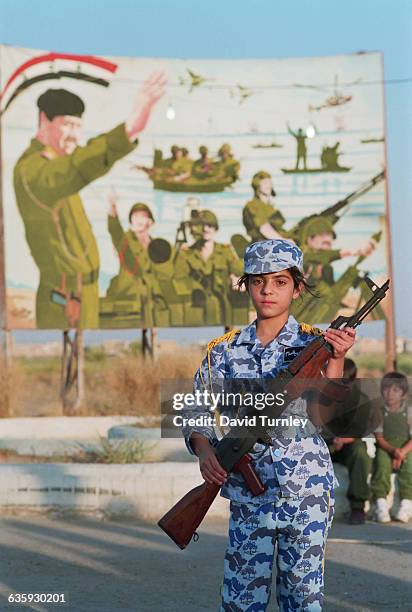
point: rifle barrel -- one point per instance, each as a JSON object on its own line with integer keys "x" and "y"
{"x": 377, "y": 296}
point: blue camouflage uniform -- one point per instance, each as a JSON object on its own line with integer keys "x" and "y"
{"x": 296, "y": 509}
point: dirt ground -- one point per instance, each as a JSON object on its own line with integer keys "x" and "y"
{"x": 106, "y": 566}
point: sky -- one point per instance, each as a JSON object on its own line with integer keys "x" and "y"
{"x": 244, "y": 29}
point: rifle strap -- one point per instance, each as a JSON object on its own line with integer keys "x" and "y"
{"x": 228, "y": 337}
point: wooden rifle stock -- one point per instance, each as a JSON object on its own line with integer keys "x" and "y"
{"x": 252, "y": 480}
{"x": 181, "y": 521}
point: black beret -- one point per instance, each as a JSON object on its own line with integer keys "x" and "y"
{"x": 57, "y": 102}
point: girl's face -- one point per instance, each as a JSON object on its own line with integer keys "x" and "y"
{"x": 272, "y": 293}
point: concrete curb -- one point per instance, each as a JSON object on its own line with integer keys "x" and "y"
{"x": 144, "y": 490}
{"x": 38, "y": 428}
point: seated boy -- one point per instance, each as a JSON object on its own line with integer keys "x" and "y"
{"x": 393, "y": 449}
{"x": 359, "y": 417}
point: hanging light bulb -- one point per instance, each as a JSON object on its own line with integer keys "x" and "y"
{"x": 310, "y": 131}
{"x": 170, "y": 113}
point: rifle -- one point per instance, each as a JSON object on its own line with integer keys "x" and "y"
{"x": 181, "y": 521}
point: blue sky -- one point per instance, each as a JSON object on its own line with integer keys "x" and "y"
{"x": 244, "y": 29}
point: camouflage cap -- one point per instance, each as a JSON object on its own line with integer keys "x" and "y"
{"x": 140, "y": 207}
{"x": 272, "y": 255}
{"x": 317, "y": 225}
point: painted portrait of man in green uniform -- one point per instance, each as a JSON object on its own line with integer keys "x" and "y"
{"x": 48, "y": 177}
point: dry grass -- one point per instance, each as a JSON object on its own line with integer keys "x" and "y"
{"x": 131, "y": 385}
{"x": 125, "y": 384}
{"x": 34, "y": 386}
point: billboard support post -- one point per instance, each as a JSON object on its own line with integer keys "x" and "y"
{"x": 390, "y": 329}
{"x": 149, "y": 343}
{"x": 72, "y": 372}
{"x": 5, "y": 355}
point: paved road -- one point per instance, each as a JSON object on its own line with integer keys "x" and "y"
{"x": 110, "y": 566}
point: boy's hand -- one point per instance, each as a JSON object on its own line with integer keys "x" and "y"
{"x": 341, "y": 340}
{"x": 210, "y": 468}
{"x": 399, "y": 454}
{"x": 396, "y": 464}
{"x": 338, "y": 443}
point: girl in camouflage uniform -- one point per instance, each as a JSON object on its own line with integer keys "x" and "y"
{"x": 296, "y": 509}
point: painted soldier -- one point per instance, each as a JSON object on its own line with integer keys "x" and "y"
{"x": 316, "y": 239}
{"x": 203, "y": 167}
{"x": 213, "y": 269}
{"x": 47, "y": 180}
{"x": 260, "y": 217}
{"x": 301, "y": 150}
{"x": 131, "y": 290}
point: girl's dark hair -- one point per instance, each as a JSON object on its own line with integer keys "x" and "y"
{"x": 297, "y": 276}
{"x": 395, "y": 378}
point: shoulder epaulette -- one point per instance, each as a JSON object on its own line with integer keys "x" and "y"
{"x": 305, "y": 328}
{"x": 228, "y": 337}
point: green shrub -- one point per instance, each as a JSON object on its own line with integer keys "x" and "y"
{"x": 121, "y": 451}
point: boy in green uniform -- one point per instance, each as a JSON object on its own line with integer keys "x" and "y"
{"x": 347, "y": 447}
{"x": 393, "y": 448}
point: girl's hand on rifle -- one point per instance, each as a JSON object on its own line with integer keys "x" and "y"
{"x": 210, "y": 467}
{"x": 341, "y": 340}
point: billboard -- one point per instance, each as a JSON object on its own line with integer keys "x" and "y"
{"x": 105, "y": 232}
